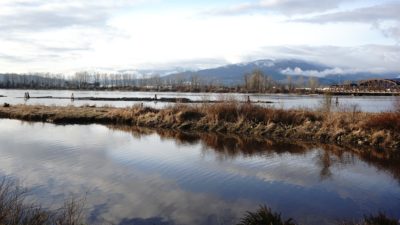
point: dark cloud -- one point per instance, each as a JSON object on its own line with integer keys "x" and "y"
{"x": 42, "y": 15}
{"x": 12, "y": 58}
{"x": 300, "y": 6}
{"x": 287, "y": 7}
{"x": 44, "y": 20}
{"x": 385, "y": 17}
{"x": 369, "y": 14}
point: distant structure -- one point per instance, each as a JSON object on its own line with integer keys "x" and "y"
{"x": 369, "y": 86}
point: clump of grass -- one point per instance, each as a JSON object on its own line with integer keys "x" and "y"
{"x": 383, "y": 121}
{"x": 264, "y": 216}
{"x": 253, "y": 113}
{"x": 234, "y": 111}
{"x": 14, "y": 209}
{"x": 190, "y": 115}
{"x": 227, "y": 111}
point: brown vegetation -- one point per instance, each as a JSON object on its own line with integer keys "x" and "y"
{"x": 344, "y": 127}
{"x": 15, "y": 209}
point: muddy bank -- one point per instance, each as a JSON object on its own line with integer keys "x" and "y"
{"x": 345, "y": 128}
{"x": 147, "y": 99}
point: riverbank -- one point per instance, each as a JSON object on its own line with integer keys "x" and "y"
{"x": 221, "y": 90}
{"x": 348, "y": 127}
{"x": 143, "y": 99}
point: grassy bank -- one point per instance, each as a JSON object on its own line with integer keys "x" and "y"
{"x": 342, "y": 127}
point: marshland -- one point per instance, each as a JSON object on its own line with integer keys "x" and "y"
{"x": 129, "y": 174}
{"x": 203, "y": 163}
{"x": 326, "y": 123}
{"x": 233, "y": 112}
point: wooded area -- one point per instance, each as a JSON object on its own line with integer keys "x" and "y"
{"x": 255, "y": 81}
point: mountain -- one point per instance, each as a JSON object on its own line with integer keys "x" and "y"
{"x": 279, "y": 70}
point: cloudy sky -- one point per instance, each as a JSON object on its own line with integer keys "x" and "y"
{"x": 65, "y": 36}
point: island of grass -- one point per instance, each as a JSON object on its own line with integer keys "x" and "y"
{"x": 346, "y": 127}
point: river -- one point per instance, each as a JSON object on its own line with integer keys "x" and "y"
{"x": 139, "y": 176}
{"x": 364, "y": 103}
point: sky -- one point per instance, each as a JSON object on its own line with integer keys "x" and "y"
{"x": 61, "y": 36}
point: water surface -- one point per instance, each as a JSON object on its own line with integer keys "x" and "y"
{"x": 136, "y": 176}
{"x": 365, "y": 103}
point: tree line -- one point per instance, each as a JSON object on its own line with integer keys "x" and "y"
{"x": 256, "y": 81}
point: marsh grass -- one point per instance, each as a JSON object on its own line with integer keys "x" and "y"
{"x": 345, "y": 126}
{"x": 16, "y": 210}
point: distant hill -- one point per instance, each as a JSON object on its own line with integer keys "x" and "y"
{"x": 233, "y": 74}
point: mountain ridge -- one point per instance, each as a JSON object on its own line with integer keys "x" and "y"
{"x": 279, "y": 70}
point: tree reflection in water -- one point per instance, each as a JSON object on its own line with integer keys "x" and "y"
{"x": 232, "y": 146}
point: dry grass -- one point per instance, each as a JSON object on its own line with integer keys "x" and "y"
{"x": 383, "y": 121}
{"x": 345, "y": 127}
{"x": 14, "y": 209}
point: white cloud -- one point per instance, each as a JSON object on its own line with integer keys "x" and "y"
{"x": 59, "y": 36}
{"x": 373, "y": 58}
{"x": 333, "y": 71}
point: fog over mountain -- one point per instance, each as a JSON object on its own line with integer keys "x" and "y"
{"x": 279, "y": 70}
{"x": 233, "y": 74}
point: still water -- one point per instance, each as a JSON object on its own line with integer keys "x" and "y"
{"x": 365, "y": 103}
{"x": 136, "y": 176}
